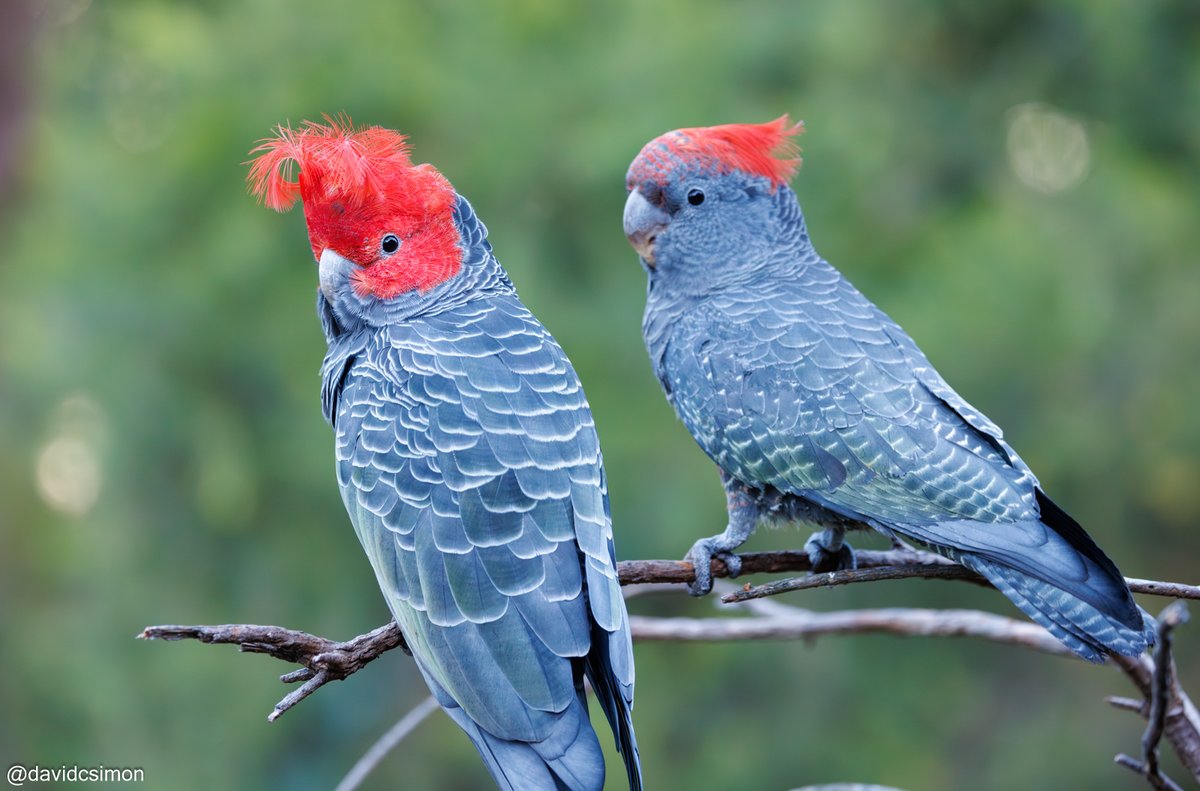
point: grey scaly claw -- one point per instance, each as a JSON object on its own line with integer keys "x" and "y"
{"x": 732, "y": 562}
{"x": 828, "y": 552}
{"x": 700, "y": 556}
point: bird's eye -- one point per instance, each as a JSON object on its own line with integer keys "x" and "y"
{"x": 390, "y": 244}
{"x": 695, "y": 197}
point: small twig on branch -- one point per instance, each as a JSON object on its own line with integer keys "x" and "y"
{"x": 833, "y": 578}
{"x": 1127, "y": 704}
{"x": 386, "y": 743}
{"x": 324, "y": 660}
{"x": 904, "y": 564}
{"x": 1163, "y": 692}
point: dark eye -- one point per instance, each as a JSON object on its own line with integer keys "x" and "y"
{"x": 695, "y": 197}
{"x": 390, "y": 244}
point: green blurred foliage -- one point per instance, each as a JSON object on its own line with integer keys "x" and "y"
{"x": 165, "y": 459}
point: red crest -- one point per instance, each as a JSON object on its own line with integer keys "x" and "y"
{"x": 765, "y": 150}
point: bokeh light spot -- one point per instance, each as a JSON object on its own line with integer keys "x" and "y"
{"x": 67, "y": 467}
{"x": 68, "y": 475}
{"x": 1047, "y": 150}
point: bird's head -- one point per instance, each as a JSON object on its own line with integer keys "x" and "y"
{"x": 379, "y": 225}
{"x": 706, "y": 198}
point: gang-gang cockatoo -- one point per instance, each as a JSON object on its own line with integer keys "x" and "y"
{"x": 466, "y": 455}
{"x": 817, "y": 407}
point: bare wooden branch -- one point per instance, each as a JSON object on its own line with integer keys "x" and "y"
{"x": 1156, "y": 780}
{"x": 1182, "y": 727}
{"x": 905, "y": 564}
{"x": 1182, "y": 723}
{"x": 1172, "y": 590}
{"x": 900, "y": 564}
{"x": 899, "y": 621}
{"x": 637, "y": 572}
{"x": 1164, "y": 694}
{"x": 323, "y": 660}
{"x": 1160, "y": 690}
{"x": 849, "y": 576}
{"x": 386, "y": 743}
{"x": 1127, "y": 704}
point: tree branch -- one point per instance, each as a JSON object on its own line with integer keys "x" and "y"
{"x": 892, "y": 565}
{"x": 1164, "y": 693}
{"x": 806, "y": 625}
{"x": 386, "y": 743}
{"x": 637, "y": 572}
{"x": 834, "y": 578}
{"x": 324, "y": 660}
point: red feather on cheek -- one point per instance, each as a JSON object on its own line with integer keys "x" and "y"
{"x": 426, "y": 259}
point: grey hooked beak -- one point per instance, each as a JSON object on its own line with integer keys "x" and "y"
{"x": 643, "y": 223}
{"x": 333, "y": 269}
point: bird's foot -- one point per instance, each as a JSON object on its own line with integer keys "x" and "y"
{"x": 828, "y": 552}
{"x": 701, "y": 555}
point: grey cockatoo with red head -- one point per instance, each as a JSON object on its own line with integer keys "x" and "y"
{"x": 466, "y": 455}
{"x": 817, "y": 407}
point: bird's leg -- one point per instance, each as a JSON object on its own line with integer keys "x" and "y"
{"x": 743, "y": 517}
{"x": 828, "y": 551}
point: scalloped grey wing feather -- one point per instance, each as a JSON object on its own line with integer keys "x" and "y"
{"x": 804, "y": 387}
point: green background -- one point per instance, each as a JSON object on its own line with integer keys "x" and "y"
{"x": 165, "y": 459}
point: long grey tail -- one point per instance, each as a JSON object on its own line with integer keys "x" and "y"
{"x": 1056, "y": 574}
{"x": 568, "y": 760}
{"x": 612, "y": 698}
{"x": 1085, "y": 629}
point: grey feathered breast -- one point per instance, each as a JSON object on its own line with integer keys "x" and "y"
{"x": 470, "y": 466}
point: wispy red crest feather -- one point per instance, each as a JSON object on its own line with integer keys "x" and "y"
{"x": 765, "y": 150}
{"x": 334, "y": 158}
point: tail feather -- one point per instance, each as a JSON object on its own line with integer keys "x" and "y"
{"x": 613, "y": 700}
{"x": 568, "y": 760}
{"x": 1053, "y": 570}
{"x": 1083, "y": 628}
{"x": 1120, "y": 604}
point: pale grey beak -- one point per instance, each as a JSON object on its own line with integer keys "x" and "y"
{"x": 333, "y": 270}
{"x": 643, "y": 223}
